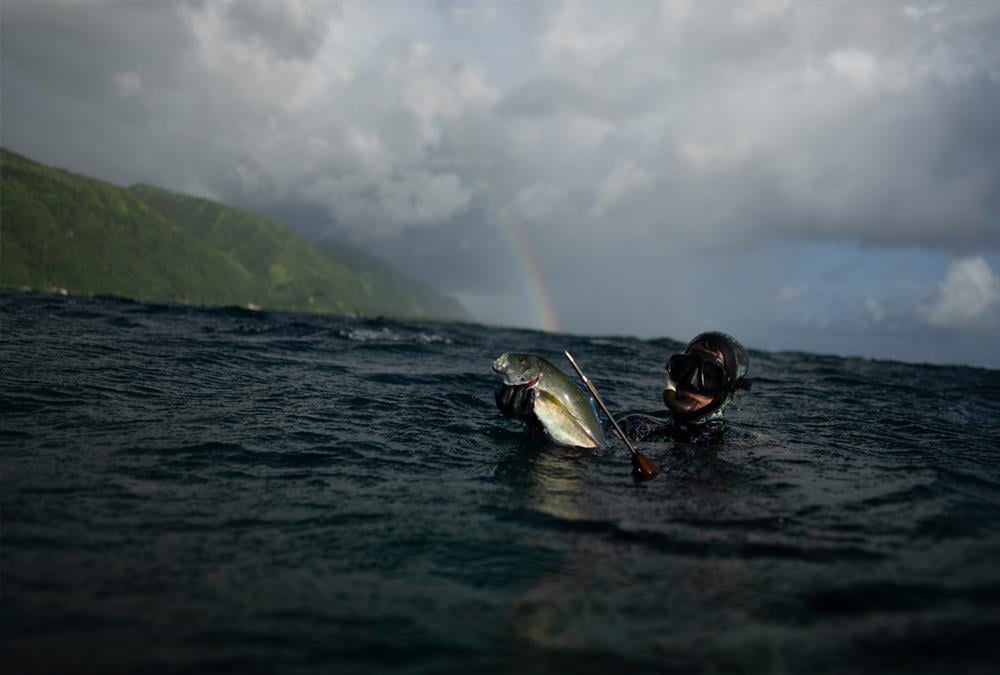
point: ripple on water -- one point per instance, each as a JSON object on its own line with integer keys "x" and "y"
{"x": 295, "y": 492}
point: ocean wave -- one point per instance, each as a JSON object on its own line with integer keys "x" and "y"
{"x": 387, "y": 335}
{"x": 235, "y": 468}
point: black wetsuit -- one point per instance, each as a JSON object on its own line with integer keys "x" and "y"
{"x": 653, "y": 429}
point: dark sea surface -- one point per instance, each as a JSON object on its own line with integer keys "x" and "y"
{"x": 223, "y": 490}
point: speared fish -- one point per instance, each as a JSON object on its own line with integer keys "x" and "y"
{"x": 563, "y": 410}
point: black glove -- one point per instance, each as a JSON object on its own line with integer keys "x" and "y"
{"x": 516, "y": 400}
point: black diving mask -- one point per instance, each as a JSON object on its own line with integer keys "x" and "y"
{"x": 698, "y": 371}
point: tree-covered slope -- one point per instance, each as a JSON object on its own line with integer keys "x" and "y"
{"x": 385, "y": 282}
{"x": 58, "y": 229}
{"x": 62, "y": 230}
{"x": 295, "y": 269}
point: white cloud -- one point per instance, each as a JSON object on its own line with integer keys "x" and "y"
{"x": 474, "y": 15}
{"x": 875, "y": 309}
{"x": 625, "y": 180}
{"x": 755, "y": 13}
{"x": 582, "y": 35}
{"x": 790, "y": 293}
{"x": 129, "y": 84}
{"x": 918, "y": 13}
{"x": 968, "y": 295}
{"x": 854, "y": 64}
{"x": 387, "y": 204}
{"x": 715, "y": 156}
{"x": 536, "y": 203}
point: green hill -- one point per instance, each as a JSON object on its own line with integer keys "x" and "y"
{"x": 385, "y": 282}
{"x": 62, "y": 230}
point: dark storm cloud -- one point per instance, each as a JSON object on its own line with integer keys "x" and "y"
{"x": 83, "y": 83}
{"x": 75, "y": 47}
{"x": 293, "y": 34}
{"x": 668, "y": 138}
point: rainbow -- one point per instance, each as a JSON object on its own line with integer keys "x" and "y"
{"x": 536, "y": 289}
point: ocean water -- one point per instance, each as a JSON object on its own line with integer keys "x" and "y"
{"x": 222, "y": 490}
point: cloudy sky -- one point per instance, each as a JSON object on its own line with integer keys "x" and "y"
{"x": 813, "y": 176}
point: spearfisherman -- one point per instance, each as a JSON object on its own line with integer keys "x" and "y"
{"x": 701, "y": 382}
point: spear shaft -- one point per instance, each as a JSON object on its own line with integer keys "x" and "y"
{"x": 642, "y": 467}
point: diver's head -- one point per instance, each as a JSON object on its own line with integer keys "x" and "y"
{"x": 705, "y": 378}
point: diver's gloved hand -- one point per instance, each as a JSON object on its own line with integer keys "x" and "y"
{"x": 516, "y": 401}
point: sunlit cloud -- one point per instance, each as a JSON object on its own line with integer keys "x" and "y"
{"x": 969, "y": 294}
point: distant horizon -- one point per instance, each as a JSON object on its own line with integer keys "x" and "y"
{"x": 354, "y": 316}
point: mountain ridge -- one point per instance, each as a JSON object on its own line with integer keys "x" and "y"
{"x": 62, "y": 230}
